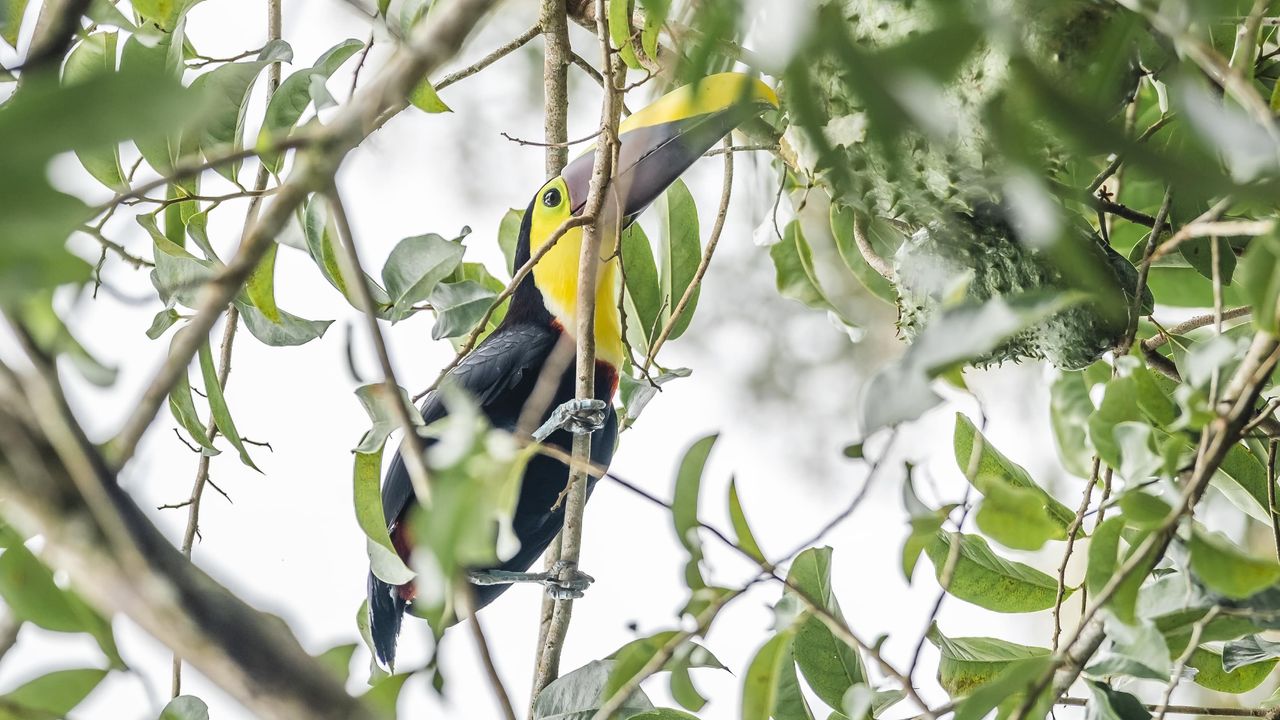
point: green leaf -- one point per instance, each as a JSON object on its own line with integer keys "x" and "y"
{"x": 925, "y": 523}
{"x": 165, "y": 13}
{"x": 162, "y": 322}
{"x": 969, "y": 663}
{"x": 760, "y": 686}
{"x": 1211, "y": 674}
{"x": 385, "y": 693}
{"x": 56, "y": 693}
{"x": 790, "y": 276}
{"x": 261, "y": 287}
{"x": 1007, "y": 687}
{"x": 631, "y": 658}
{"x": 878, "y": 233}
{"x": 791, "y": 703}
{"x": 415, "y": 266}
{"x": 509, "y": 236}
{"x": 620, "y": 30}
{"x": 636, "y": 394}
{"x": 384, "y": 561}
{"x": 684, "y": 506}
{"x": 1250, "y": 650}
{"x": 579, "y": 694}
{"x": 228, "y": 88}
{"x": 644, "y": 294}
{"x": 338, "y": 659}
{"x": 679, "y": 253}
{"x": 1227, "y": 569}
{"x": 94, "y": 57}
{"x": 1017, "y": 512}
{"x": 11, "y": 14}
{"x": 990, "y": 581}
{"x": 663, "y": 714}
{"x": 185, "y": 707}
{"x": 741, "y": 530}
{"x": 1137, "y": 650}
{"x": 218, "y": 405}
{"x": 1259, "y": 280}
{"x": 377, "y": 403}
{"x": 1069, "y": 411}
{"x": 183, "y": 408}
{"x": 292, "y": 98}
{"x": 1119, "y": 404}
{"x": 424, "y": 98}
{"x": 830, "y": 666}
{"x": 459, "y": 306}
{"x": 1105, "y": 559}
{"x": 957, "y": 335}
{"x": 290, "y": 331}
{"x": 1106, "y": 703}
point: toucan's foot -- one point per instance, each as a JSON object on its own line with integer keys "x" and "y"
{"x": 580, "y": 417}
{"x": 562, "y": 581}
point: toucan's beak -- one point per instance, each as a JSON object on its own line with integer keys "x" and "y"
{"x": 658, "y": 143}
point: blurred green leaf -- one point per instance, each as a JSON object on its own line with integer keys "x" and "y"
{"x": 636, "y": 394}
{"x": 165, "y": 13}
{"x": 790, "y": 275}
{"x": 830, "y": 666}
{"x": 31, "y": 594}
{"x": 1260, "y": 281}
{"x": 990, "y": 581}
{"x": 1107, "y": 703}
{"x": 55, "y": 694}
{"x": 1105, "y": 559}
{"x": 162, "y": 322}
{"x": 684, "y": 506}
{"x": 1226, "y": 568}
{"x": 1248, "y": 651}
{"x": 54, "y": 338}
{"x": 377, "y": 403}
{"x": 424, "y": 98}
{"x": 384, "y": 561}
{"x": 11, "y": 20}
{"x": 338, "y": 659}
{"x": 185, "y": 707}
{"x": 261, "y": 288}
{"x": 183, "y": 408}
{"x": 94, "y": 57}
{"x": 631, "y": 658}
{"x": 1211, "y": 674}
{"x": 384, "y": 693}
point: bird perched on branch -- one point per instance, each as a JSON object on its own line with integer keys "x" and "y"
{"x": 656, "y": 145}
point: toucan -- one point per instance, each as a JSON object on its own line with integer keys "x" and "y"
{"x": 656, "y": 145}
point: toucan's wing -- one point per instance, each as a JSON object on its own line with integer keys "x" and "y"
{"x": 490, "y": 374}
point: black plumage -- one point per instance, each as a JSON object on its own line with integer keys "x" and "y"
{"x": 499, "y": 374}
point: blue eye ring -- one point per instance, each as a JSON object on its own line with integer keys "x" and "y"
{"x": 551, "y": 198}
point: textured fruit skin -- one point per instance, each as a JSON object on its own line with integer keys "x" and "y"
{"x": 936, "y": 260}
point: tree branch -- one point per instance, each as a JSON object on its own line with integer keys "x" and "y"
{"x": 55, "y": 484}
{"x": 548, "y": 663}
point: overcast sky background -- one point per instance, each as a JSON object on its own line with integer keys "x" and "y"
{"x": 289, "y": 544}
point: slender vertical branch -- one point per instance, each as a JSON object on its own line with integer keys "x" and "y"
{"x": 548, "y": 664}
{"x": 274, "y": 32}
{"x": 349, "y": 262}
{"x": 486, "y": 657}
{"x": 554, "y": 26}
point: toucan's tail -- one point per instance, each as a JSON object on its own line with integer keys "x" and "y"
{"x": 386, "y": 610}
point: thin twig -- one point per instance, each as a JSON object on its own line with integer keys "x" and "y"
{"x": 1209, "y": 216}
{"x": 1144, "y": 270}
{"x": 349, "y": 261}
{"x": 486, "y": 657}
{"x": 1115, "y": 163}
{"x": 515, "y": 44}
{"x": 1271, "y": 493}
{"x": 1175, "y": 677}
{"x": 1194, "y": 323}
{"x": 550, "y": 145}
{"x": 1072, "y": 531}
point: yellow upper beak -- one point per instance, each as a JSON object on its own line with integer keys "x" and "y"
{"x": 659, "y": 142}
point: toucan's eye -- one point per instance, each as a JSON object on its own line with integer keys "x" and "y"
{"x": 551, "y": 198}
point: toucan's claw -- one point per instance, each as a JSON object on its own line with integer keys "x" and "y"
{"x": 562, "y": 581}
{"x": 578, "y": 416}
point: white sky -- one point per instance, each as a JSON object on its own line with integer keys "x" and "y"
{"x": 289, "y": 543}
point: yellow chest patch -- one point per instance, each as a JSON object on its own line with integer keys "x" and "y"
{"x": 556, "y": 276}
